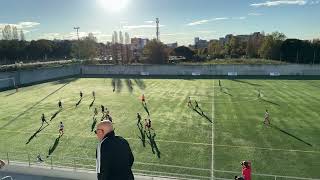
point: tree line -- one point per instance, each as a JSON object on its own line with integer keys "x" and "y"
{"x": 275, "y": 46}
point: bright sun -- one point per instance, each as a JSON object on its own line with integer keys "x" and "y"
{"x": 113, "y": 5}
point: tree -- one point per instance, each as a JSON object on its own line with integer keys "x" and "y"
{"x": 15, "y": 35}
{"x": 253, "y": 45}
{"x": 22, "y": 38}
{"x": 7, "y": 33}
{"x": 271, "y": 46}
{"x": 87, "y": 46}
{"x": 183, "y": 51}
{"x": 216, "y": 50}
{"x": 155, "y": 52}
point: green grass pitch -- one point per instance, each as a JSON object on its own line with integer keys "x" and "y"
{"x": 187, "y": 143}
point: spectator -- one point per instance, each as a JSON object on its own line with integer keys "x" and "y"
{"x": 2, "y": 164}
{"x": 114, "y": 156}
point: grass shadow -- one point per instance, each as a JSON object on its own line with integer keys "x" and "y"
{"x": 202, "y": 114}
{"x": 35, "y": 134}
{"x": 27, "y": 110}
{"x": 142, "y": 133}
{"x": 55, "y": 114}
{"x": 54, "y": 146}
{"x": 93, "y": 123}
{"x": 64, "y": 81}
{"x": 78, "y": 103}
{"x": 270, "y": 102}
{"x": 289, "y": 134}
{"x": 245, "y": 82}
{"x": 227, "y": 93}
{"x": 90, "y": 106}
{"x": 129, "y": 85}
{"x": 153, "y": 144}
{"x": 140, "y": 83}
{"x": 145, "y": 108}
{"x": 12, "y": 93}
{"x": 117, "y": 85}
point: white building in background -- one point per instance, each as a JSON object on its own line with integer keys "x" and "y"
{"x": 172, "y": 45}
{"x": 199, "y": 43}
{"x": 138, "y": 43}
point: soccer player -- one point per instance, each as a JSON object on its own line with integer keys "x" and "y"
{"x": 102, "y": 109}
{"x": 189, "y": 102}
{"x": 197, "y": 105}
{"x": 148, "y": 124}
{"x": 94, "y": 94}
{"x": 39, "y": 159}
{"x": 139, "y": 118}
{"x": 61, "y": 128}
{"x": 60, "y": 104}
{"x": 259, "y": 94}
{"x": 143, "y": 99}
{"x": 81, "y": 94}
{"x": 43, "y": 119}
{"x": 108, "y": 117}
{"x": 219, "y": 83}
{"x": 266, "y": 118}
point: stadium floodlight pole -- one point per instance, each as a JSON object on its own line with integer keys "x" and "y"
{"x": 77, "y": 28}
{"x": 157, "y": 28}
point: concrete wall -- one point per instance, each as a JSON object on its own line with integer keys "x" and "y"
{"x": 25, "y": 77}
{"x": 38, "y": 75}
{"x": 262, "y": 70}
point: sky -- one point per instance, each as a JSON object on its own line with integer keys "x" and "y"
{"x": 180, "y": 20}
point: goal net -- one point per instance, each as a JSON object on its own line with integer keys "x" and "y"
{"x": 7, "y": 83}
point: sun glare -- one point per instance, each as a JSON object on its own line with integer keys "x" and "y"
{"x": 113, "y": 5}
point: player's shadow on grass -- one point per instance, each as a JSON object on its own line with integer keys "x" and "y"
{"x": 54, "y": 146}
{"x": 142, "y": 133}
{"x": 202, "y": 114}
{"x": 153, "y": 144}
{"x": 94, "y": 122}
{"x": 270, "y": 102}
{"x": 35, "y": 134}
{"x": 55, "y": 114}
{"x": 227, "y": 93}
{"x": 287, "y": 133}
{"x": 11, "y": 93}
{"x": 129, "y": 85}
{"x": 145, "y": 107}
{"x": 245, "y": 82}
{"x": 17, "y": 117}
{"x": 78, "y": 103}
{"x": 94, "y": 99}
{"x": 140, "y": 83}
{"x": 117, "y": 85}
{"x": 64, "y": 81}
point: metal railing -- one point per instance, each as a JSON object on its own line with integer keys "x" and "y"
{"x": 77, "y": 163}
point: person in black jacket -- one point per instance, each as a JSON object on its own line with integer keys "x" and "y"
{"x": 114, "y": 157}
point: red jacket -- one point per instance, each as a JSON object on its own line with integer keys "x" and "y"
{"x": 246, "y": 173}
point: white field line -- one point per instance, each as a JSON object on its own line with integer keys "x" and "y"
{"x": 158, "y": 140}
{"x": 212, "y": 135}
{"x": 182, "y": 142}
{"x": 271, "y": 149}
{"x": 173, "y": 166}
{"x": 174, "y": 174}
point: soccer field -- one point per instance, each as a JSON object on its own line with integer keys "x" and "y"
{"x": 184, "y": 143}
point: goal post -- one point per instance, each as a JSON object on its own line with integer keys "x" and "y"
{"x": 8, "y": 83}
